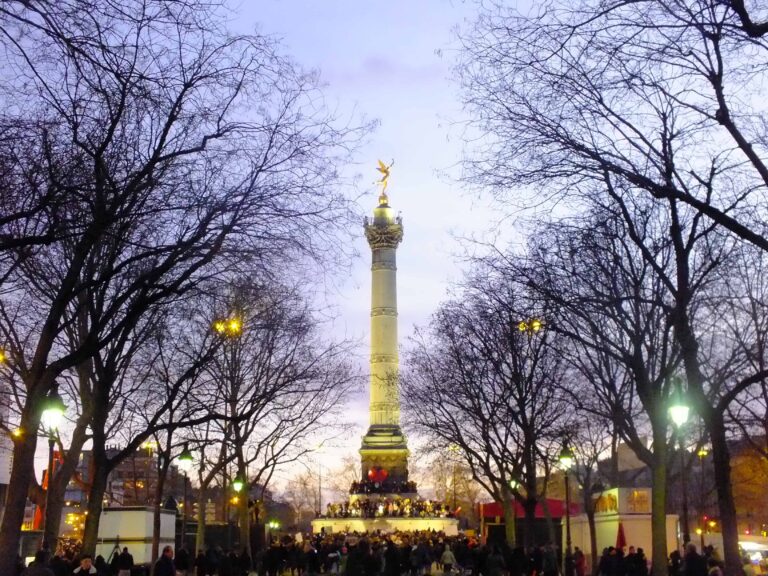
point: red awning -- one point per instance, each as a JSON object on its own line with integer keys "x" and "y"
{"x": 556, "y": 509}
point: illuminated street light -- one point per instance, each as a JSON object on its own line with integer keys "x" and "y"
{"x": 237, "y": 484}
{"x": 53, "y": 411}
{"x": 530, "y": 325}
{"x": 185, "y": 460}
{"x": 678, "y": 413}
{"x": 231, "y": 327}
{"x": 566, "y": 462}
{"x": 50, "y": 418}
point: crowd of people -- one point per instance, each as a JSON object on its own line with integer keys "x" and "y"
{"x": 393, "y": 554}
{"x": 69, "y": 561}
{"x": 388, "y": 507}
{"x": 388, "y": 486}
{"x": 406, "y": 553}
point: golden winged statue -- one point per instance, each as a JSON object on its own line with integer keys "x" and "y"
{"x": 384, "y": 169}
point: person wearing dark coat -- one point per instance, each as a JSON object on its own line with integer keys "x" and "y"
{"x": 694, "y": 564}
{"x": 391, "y": 560}
{"x": 201, "y": 564}
{"x": 182, "y": 561}
{"x": 494, "y": 563}
{"x": 38, "y": 567}
{"x": 164, "y": 565}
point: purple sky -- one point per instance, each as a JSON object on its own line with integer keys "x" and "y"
{"x": 380, "y": 59}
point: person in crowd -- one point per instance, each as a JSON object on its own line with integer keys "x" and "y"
{"x": 693, "y": 563}
{"x": 448, "y": 560}
{"x": 59, "y": 564}
{"x": 102, "y": 568}
{"x": 713, "y": 567}
{"x": 39, "y": 566}
{"x": 85, "y": 566}
{"x": 124, "y": 563}
{"x": 494, "y": 563}
{"x": 747, "y": 566}
{"x": 675, "y": 567}
{"x": 183, "y": 562}
{"x": 549, "y": 563}
{"x": 164, "y": 565}
{"x": 201, "y": 564}
{"x": 579, "y": 562}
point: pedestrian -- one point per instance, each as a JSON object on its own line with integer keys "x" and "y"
{"x": 164, "y": 565}
{"x": 579, "y": 562}
{"x": 693, "y": 563}
{"x": 447, "y": 559}
{"x": 713, "y": 567}
{"x": 38, "y": 567}
{"x": 124, "y": 563}
{"x": 86, "y": 566}
{"x": 201, "y": 564}
{"x": 182, "y": 561}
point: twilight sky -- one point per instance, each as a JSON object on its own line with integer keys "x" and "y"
{"x": 380, "y": 59}
{"x": 391, "y": 61}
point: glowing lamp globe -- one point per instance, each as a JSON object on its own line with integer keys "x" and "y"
{"x": 185, "y": 459}
{"x": 53, "y": 411}
{"x": 566, "y": 458}
{"x": 237, "y": 484}
{"x": 678, "y": 412}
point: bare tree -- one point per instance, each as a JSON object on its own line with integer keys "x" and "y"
{"x": 183, "y": 153}
{"x": 639, "y": 99}
{"x": 482, "y": 384}
{"x": 281, "y": 384}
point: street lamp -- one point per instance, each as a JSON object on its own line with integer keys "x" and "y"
{"x": 566, "y": 462}
{"x": 530, "y": 325}
{"x": 50, "y": 418}
{"x": 678, "y": 413}
{"x": 185, "y": 464}
{"x": 149, "y": 446}
{"x": 454, "y": 449}
{"x": 237, "y": 484}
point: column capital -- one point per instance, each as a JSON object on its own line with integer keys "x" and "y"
{"x": 384, "y": 235}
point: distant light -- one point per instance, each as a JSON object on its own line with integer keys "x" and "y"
{"x": 679, "y": 414}
{"x": 566, "y": 457}
{"x": 53, "y": 411}
{"x": 185, "y": 459}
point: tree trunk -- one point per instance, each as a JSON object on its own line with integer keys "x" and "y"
{"x": 22, "y": 473}
{"x": 245, "y": 525}
{"x": 93, "y": 517}
{"x": 530, "y": 522}
{"x": 721, "y": 459}
{"x": 508, "y": 505}
{"x": 156, "y": 516}
{"x": 594, "y": 562}
{"x": 59, "y": 482}
{"x": 200, "y": 535}
{"x": 659, "y": 503}
{"x": 550, "y": 523}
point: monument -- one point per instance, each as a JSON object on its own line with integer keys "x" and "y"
{"x": 384, "y": 498}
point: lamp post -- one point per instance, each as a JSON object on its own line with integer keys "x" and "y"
{"x": 53, "y": 413}
{"x": 514, "y": 485}
{"x": 454, "y": 449}
{"x": 185, "y": 463}
{"x": 566, "y": 461}
{"x": 237, "y": 486}
{"x": 149, "y": 446}
{"x": 678, "y": 412}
